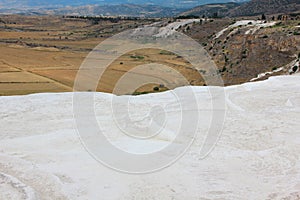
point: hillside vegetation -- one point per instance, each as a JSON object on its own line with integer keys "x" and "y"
{"x": 243, "y": 49}
{"x": 251, "y": 8}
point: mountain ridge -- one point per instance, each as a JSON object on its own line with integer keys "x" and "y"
{"x": 230, "y": 9}
{"x": 132, "y": 10}
{"x": 258, "y": 7}
{"x": 8, "y": 4}
{"x": 250, "y": 8}
{"x": 217, "y": 9}
{"x": 128, "y": 10}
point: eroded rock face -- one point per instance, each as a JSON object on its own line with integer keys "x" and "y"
{"x": 244, "y": 49}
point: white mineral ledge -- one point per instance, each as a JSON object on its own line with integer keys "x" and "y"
{"x": 256, "y": 156}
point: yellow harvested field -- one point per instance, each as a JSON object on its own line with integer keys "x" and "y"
{"x": 21, "y": 77}
{"x": 43, "y": 54}
{"x": 29, "y": 88}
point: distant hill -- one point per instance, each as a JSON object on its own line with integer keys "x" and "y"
{"x": 131, "y": 10}
{"x": 251, "y": 8}
{"x": 257, "y": 7}
{"x": 9, "y": 4}
{"x": 152, "y": 8}
{"x": 140, "y": 8}
{"x": 219, "y": 9}
{"x": 119, "y": 10}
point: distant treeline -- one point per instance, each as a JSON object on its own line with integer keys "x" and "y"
{"x": 294, "y": 14}
{"x": 97, "y": 19}
{"x": 214, "y": 15}
{"x": 188, "y": 17}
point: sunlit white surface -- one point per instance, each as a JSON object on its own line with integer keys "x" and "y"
{"x": 256, "y": 157}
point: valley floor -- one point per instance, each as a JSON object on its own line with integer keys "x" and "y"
{"x": 43, "y": 53}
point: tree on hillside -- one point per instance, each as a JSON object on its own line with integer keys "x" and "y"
{"x": 215, "y": 15}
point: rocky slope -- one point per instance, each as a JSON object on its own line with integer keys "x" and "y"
{"x": 218, "y": 9}
{"x": 244, "y": 49}
{"x": 258, "y": 7}
{"x": 251, "y": 8}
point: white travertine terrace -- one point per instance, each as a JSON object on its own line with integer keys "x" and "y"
{"x": 256, "y": 157}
